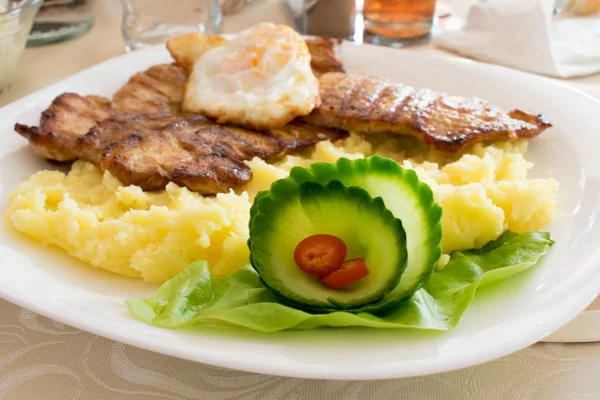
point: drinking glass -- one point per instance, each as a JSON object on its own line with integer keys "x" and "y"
{"x": 332, "y": 18}
{"x": 398, "y": 22}
{"x": 16, "y": 18}
{"x": 150, "y": 22}
{"x": 60, "y": 20}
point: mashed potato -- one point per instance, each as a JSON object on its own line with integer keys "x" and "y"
{"x": 155, "y": 235}
{"x": 128, "y": 231}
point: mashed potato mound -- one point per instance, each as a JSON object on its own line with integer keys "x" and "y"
{"x": 155, "y": 235}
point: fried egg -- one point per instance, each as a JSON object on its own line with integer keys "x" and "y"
{"x": 261, "y": 79}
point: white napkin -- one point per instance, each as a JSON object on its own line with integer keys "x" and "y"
{"x": 523, "y": 34}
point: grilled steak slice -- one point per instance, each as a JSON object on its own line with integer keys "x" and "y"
{"x": 325, "y": 55}
{"x": 365, "y": 104}
{"x": 91, "y": 145}
{"x": 68, "y": 117}
{"x": 152, "y": 150}
{"x": 158, "y": 90}
{"x": 153, "y": 161}
{"x": 191, "y": 151}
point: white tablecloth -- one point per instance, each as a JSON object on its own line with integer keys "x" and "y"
{"x": 43, "y": 359}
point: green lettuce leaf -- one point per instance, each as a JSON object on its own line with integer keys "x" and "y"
{"x": 194, "y": 297}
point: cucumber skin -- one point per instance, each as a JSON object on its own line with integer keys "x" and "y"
{"x": 354, "y": 170}
{"x": 267, "y": 201}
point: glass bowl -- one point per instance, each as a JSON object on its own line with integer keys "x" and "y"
{"x": 16, "y": 18}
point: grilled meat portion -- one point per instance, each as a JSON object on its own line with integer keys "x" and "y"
{"x": 68, "y": 117}
{"x": 159, "y": 152}
{"x": 90, "y": 146}
{"x": 150, "y": 151}
{"x": 157, "y": 90}
{"x": 325, "y": 55}
{"x": 153, "y": 161}
{"x": 365, "y": 104}
{"x": 191, "y": 151}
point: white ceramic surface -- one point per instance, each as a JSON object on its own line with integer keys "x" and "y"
{"x": 583, "y": 328}
{"x": 502, "y": 319}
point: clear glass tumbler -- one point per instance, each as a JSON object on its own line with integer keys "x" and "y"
{"x": 151, "y": 22}
{"x": 16, "y": 18}
{"x": 60, "y": 20}
{"x": 398, "y": 22}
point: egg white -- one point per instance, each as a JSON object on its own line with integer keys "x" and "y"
{"x": 261, "y": 79}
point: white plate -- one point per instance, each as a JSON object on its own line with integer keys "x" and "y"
{"x": 583, "y": 328}
{"x": 503, "y": 319}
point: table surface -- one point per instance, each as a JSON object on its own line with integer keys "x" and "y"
{"x": 44, "y": 359}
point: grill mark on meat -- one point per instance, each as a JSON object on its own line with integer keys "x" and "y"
{"x": 445, "y": 122}
{"x": 159, "y": 90}
{"x": 348, "y": 105}
{"x": 68, "y": 117}
{"x": 190, "y": 150}
{"x": 186, "y": 145}
{"x": 373, "y": 97}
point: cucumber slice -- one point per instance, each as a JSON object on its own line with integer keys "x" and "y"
{"x": 289, "y": 212}
{"x": 407, "y": 198}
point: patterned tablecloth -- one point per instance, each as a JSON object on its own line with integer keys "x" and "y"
{"x": 43, "y": 359}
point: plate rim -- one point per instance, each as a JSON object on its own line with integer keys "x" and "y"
{"x": 292, "y": 372}
{"x": 584, "y": 328}
{"x": 579, "y": 302}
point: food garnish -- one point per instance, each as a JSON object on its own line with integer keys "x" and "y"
{"x": 350, "y": 272}
{"x": 367, "y": 228}
{"x": 196, "y": 298}
{"x": 323, "y": 256}
{"x": 409, "y": 200}
{"x": 320, "y": 254}
{"x": 394, "y": 190}
{"x": 278, "y": 296}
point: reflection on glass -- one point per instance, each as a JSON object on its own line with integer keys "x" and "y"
{"x": 151, "y": 22}
{"x": 60, "y": 20}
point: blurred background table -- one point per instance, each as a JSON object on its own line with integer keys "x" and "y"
{"x": 42, "y": 66}
{"x": 43, "y": 359}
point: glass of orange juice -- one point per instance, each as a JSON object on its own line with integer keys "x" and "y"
{"x": 398, "y": 22}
